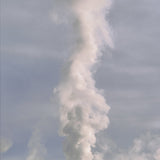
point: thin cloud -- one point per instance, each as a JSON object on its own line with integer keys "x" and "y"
{"x": 5, "y": 145}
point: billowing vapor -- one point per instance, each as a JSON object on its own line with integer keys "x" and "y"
{"x": 83, "y": 109}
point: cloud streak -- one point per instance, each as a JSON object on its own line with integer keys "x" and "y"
{"x": 37, "y": 150}
{"x": 145, "y": 147}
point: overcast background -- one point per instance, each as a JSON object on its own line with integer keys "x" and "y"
{"x": 33, "y": 51}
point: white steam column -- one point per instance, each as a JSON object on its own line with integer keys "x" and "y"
{"x": 83, "y": 110}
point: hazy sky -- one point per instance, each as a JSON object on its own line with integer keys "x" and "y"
{"x": 34, "y": 48}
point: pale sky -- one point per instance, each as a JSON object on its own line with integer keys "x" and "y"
{"x": 33, "y": 51}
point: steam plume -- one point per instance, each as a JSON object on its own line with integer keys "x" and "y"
{"x": 83, "y": 110}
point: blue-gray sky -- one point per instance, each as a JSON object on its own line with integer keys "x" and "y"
{"x": 33, "y": 51}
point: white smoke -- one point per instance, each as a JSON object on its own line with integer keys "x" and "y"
{"x": 83, "y": 111}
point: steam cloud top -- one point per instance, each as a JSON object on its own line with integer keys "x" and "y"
{"x": 83, "y": 110}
